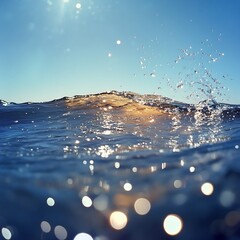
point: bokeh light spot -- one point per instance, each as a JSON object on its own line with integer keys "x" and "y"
{"x": 232, "y": 219}
{"x": 173, "y": 224}
{"x": 60, "y": 232}
{"x": 78, "y": 5}
{"x": 127, "y": 187}
{"x": 177, "y": 183}
{"x": 87, "y": 201}
{"x": 142, "y": 206}
{"x": 192, "y": 169}
{"x": 118, "y": 220}
{"x": 6, "y": 233}
{"x": 227, "y": 198}
{"x": 207, "y": 188}
{"x": 50, "y": 202}
{"x": 117, "y": 165}
{"x": 101, "y": 203}
{"x": 83, "y": 236}
{"x": 45, "y": 226}
{"x": 134, "y": 169}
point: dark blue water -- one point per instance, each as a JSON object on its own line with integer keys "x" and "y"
{"x": 85, "y": 168}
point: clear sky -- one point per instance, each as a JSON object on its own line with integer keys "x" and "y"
{"x": 184, "y": 49}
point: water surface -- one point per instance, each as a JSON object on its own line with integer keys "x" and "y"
{"x": 119, "y": 166}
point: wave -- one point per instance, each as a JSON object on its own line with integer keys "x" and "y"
{"x": 144, "y": 103}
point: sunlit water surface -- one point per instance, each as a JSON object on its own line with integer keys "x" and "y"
{"x": 90, "y": 168}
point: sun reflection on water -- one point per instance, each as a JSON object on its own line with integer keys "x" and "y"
{"x": 104, "y": 151}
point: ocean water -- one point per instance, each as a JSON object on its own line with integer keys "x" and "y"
{"x": 115, "y": 166}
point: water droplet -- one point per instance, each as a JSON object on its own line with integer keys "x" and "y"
{"x": 180, "y": 85}
{"x": 153, "y": 75}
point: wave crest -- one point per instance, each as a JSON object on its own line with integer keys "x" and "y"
{"x": 140, "y": 103}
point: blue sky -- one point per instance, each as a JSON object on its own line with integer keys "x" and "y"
{"x": 184, "y": 49}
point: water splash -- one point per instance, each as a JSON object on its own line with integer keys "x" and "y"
{"x": 194, "y": 69}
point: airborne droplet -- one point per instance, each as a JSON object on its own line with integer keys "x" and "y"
{"x": 180, "y": 85}
{"x": 153, "y": 75}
